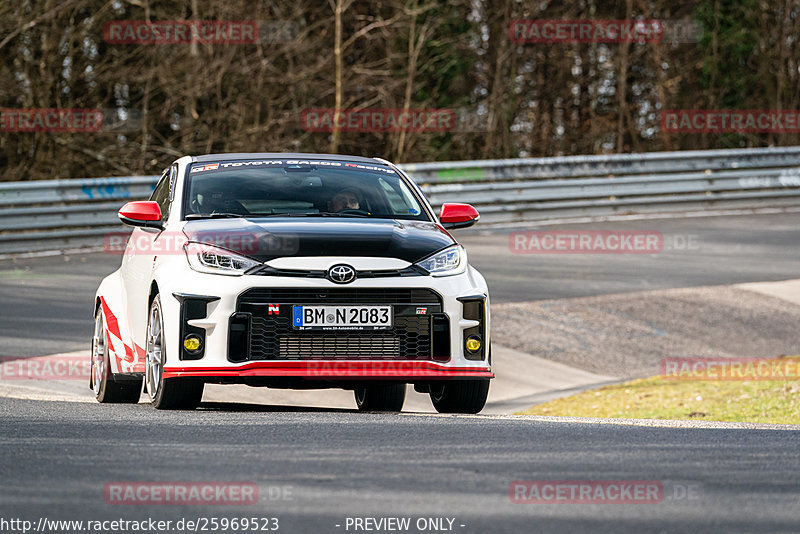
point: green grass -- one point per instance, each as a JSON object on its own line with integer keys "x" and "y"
{"x": 755, "y": 401}
{"x": 15, "y": 273}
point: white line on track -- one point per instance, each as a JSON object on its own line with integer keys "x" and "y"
{"x": 17, "y": 391}
{"x": 655, "y": 423}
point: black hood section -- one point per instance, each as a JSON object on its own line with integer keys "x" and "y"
{"x": 267, "y": 239}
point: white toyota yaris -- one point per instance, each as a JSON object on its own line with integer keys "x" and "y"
{"x": 296, "y": 271}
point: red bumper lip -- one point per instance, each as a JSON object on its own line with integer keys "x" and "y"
{"x": 324, "y": 370}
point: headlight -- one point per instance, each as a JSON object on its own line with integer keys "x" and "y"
{"x": 210, "y": 259}
{"x": 450, "y": 261}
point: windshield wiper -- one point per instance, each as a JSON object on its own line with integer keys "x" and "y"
{"x": 223, "y": 215}
{"x": 307, "y": 214}
{"x": 215, "y": 215}
{"x": 338, "y": 214}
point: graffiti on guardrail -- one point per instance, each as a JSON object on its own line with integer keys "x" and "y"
{"x": 105, "y": 189}
{"x": 787, "y": 178}
{"x": 790, "y": 178}
{"x": 461, "y": 175}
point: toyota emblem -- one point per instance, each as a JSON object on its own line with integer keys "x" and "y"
{"x": 341, "y": 274}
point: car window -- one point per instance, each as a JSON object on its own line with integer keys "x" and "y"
{"x": 314, "y": 188}
{"x": 161, "y": 194}
{"x": 173, "y": 176}
{"x": 398, "y": 198}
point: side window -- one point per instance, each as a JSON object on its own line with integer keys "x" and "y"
{"x": 161, "y": 194}
{"x": 173, "y": 176}
{"x": 395, "y": 199}
{"x": 400, "y": 200}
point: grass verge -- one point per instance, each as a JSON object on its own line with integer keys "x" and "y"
{"x": 751, "y": 401}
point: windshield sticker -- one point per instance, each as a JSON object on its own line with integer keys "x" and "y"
{"x": 275, "y": 162}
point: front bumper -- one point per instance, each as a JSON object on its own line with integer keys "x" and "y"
{"x": 219, "y": 302}
{"x": 334, "y": 370}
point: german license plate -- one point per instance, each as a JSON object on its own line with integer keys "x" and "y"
{"x": 342, "y": 317}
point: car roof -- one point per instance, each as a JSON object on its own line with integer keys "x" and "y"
{"x": 283, "y": 155}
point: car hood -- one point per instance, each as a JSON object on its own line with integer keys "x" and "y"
{"x": 267, "y": 239}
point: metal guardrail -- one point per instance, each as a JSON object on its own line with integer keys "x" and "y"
{"x": 66, "y": 214}
{"x": 536, "y": 189}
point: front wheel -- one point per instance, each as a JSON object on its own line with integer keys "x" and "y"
{"x": 106, "y": 389}
{"x": 381, "y": 398}
{"x": 460, "y": 396}
{"x": 169, "y": 393}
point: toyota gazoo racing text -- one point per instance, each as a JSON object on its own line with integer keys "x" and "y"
{"x": 299, "y": 271}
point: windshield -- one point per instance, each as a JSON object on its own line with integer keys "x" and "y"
{"x": 304, "y": 188}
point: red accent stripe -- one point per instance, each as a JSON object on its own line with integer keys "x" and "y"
{"x": 111, "y": 320}
{"x": 324, "y": 370}
{"x": 112, "y": 352}
{"x": 140, "y": 355}
{"x": 128, "y": 353}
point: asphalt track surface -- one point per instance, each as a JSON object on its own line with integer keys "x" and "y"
{"x": 57, "y": 457}
{"x": 321, "y": 467}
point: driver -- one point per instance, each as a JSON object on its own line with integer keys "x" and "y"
{"x": 346, "y": 199}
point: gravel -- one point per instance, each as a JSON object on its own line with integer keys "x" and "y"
{"x": 627, "y": 335}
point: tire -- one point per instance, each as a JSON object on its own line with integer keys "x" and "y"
{"x": 381, "y": 398}
{"x": 101, "y": 381}
{"x": 169, "y": 393}
{"x": 460, "y": 396}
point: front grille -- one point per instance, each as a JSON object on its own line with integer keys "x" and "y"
{"x": 339, "y": 296}
{"x": 271, "y": 336}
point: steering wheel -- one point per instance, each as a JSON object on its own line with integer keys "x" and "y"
{"x": 229, "y": 206}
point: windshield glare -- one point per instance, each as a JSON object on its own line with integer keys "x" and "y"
{"x": 321, "y": 188}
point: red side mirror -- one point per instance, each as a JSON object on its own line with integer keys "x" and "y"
{"x": 145, "y": 213}
{"x": 458, "y": 215}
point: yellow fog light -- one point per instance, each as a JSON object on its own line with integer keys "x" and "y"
{"x": 473, "y": 344}
{"x": 191, "y": 343}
